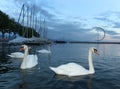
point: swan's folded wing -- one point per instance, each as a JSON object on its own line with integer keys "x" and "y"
{"x": 11, "y": 56}
{"x": 70, "y": 69}
{"x": 44, "y": 51}
{"x": 31, "y": 61}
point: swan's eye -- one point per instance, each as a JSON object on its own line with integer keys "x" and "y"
{"x": 95, "y": 50}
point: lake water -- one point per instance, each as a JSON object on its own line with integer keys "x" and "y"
{"x": 107, "y": 68}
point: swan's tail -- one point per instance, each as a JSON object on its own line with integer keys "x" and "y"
{"x": 53, "y": 69}
{"x": 10, "y": 55}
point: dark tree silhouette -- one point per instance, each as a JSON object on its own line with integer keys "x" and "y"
{"x": 9, "y": 25}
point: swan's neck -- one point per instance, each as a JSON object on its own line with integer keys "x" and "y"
{"x": 91, "y": 67}
{"x": 48, "y": 47}
{"x": 23, "y": 65}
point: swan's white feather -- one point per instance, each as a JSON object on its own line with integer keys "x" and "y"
{"x": 73, "y": 69}
{"x": 44, "y": 51}
{"x": 16, "y": 55}
{"x": 70, "y": 69}
{"x": 29, "y": 60}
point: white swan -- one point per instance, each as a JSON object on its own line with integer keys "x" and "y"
{"x": 73, "y": 69}
{"x": 44, "y": 51}
{"x": 29, "y": 61}
{"x": 16, "y": 55}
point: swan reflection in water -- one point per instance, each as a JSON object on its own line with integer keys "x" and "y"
{"x": 87, "y": 78}
{"x": 44, "y": 50}
{"x": 73, "y": 69}
{"x": 27, "y": 76}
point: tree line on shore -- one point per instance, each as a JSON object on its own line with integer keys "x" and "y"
{"x": 9, "y": 25}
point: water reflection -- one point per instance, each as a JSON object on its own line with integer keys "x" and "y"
{"x": 31, "y": 76}
{"x": 89, "y": 82}
{"x": 3, "y": 51}
{"x": 27, "y": 76}
{"x": 71, "y": 79}
{"x": 4, "y": 62}
{"x": 24, "y": 84}
{"x": 49, "y": 59}
{"x": 40, "y": 77}
{"x": 87, "y": 78}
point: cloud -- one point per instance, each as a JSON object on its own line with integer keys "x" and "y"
{"x": 110, "y": 19}
{"x": 39, "y": 5}
{"x": 116, "y": 25}
{"x": 111, "y": 32}
{"x": 104, "y": 19}
{"x": 72, "y": 28}
{"x": 70, "y": 31}
{"x": 14, "y": 8}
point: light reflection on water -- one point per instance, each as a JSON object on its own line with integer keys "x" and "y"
{"x": 41, "y": 77}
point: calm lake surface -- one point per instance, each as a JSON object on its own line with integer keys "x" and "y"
{"x": 107, "y": 68}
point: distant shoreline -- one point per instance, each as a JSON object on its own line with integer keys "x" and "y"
{"x": 95, "y": 42}
{"x": 81, "y": 42}
{"x": 86, "y": 42}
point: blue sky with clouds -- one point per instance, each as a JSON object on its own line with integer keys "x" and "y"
{"x": 73, "y": 19}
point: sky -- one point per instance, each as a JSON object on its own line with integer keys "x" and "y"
{"x": 76, "y": 20}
